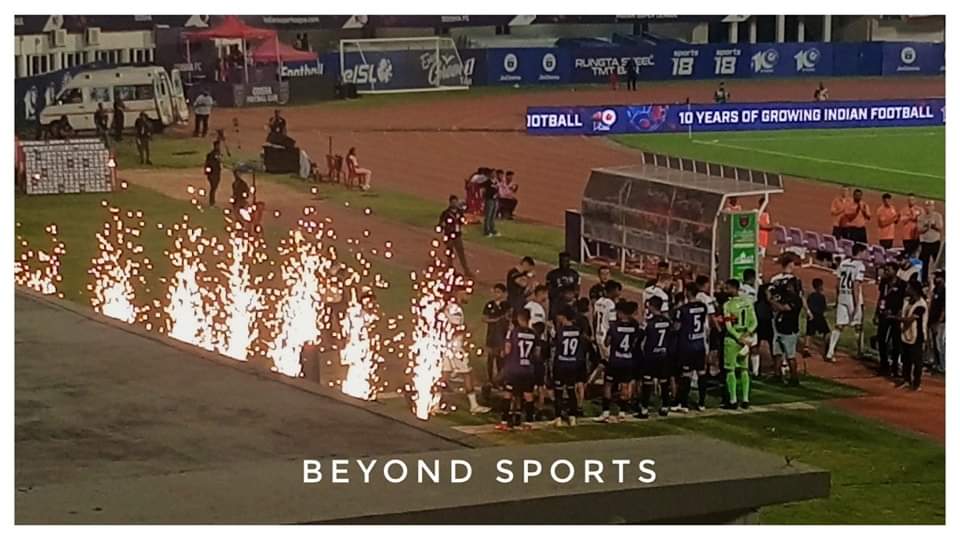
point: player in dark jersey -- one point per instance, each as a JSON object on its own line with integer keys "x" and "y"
{"x": 622, "y": 338}
{"x": 691, "y": 323}
{"x": 569, "y": 347}
{"x": 655, "y": 364}
{"x": 496, "y": 314}
{"x": 591, "y": 353}
{"x": 518, "y": 380}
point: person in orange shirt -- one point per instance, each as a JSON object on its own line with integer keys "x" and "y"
{"x": 836, "y": 211}
{"x": 887, "y": 218}
{"x": 856, "y": 213}
{"x": 908, "y": 219}
{"x": 764, "y": 226}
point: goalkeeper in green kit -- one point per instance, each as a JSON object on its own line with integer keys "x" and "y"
{"x": 740, "y": 321}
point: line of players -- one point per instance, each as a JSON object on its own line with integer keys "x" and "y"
{"x": 636, "y": 349}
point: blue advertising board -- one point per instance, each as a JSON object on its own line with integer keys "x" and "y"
{"x": 595, "y": 65}
{"x": 403, "y": 70}
{"x": 702, "y": 61}
{"x": 527, "y": 66}
{"x": 913, "y": 59}
{"x": 623, "y": 119}
{"x": 791, "y": 60}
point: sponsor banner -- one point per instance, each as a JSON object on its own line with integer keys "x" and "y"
{"x": 302, "y": 69}
{"x": 791, "y": 60}
{"x": 743, "y": 243}
{"x": 595, "y": 65}
{"x": 913, "y": 59}
{"x": 621, "y": 119}
{"x": 405, "y": 70}
{"x": 527, "y": 66}
{"x": 702, "y": 61}
{"x": 277, "y": 93}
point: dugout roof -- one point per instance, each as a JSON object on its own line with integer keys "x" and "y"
{"x": 667, "y": 206}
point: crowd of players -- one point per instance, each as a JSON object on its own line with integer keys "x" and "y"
{"x": 544, "y": 341}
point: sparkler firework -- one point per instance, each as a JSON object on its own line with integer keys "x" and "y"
{"x": 116, "y": 267}
{"x": 39, "y": 270}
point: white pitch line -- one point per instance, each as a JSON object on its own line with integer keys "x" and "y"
{"x": 818, "y": 160}
{"x": 789, "y": 406}
{"x": 839, "y": 136}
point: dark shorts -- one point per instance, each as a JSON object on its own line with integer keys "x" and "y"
{"x": 518, "y": 381}
{"x": 619, "y": 373}
{"x": 817, "y": 326}
{"x": 765, "y": 331}
{"x": 568, "y": 373}
{"x": 715, "y": 341}
{"x": 656, "y": 367}
{"x": 691, "y": 361}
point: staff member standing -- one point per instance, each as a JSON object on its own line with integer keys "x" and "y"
{"x": 101, "y": 123}
{"x": 118, "y": 119}
{"x": 143, "y": 134}
{"x": 451, "y": 225}
{"x": 721, "y": 95}
{"x": 887, "y": 218}
{"x": 212, "y": 167}
{"x": 277, "y": 124}
{"x": 909, "y": 231}
{"x": 930, "y": 227}
{"x": 202, "y": 107}
{"x": 855, "y": 216}
{"x": 837, "y": 207}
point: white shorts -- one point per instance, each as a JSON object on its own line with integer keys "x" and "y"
{"x": 847, "y": 315}
{"x": 456, "y": 360}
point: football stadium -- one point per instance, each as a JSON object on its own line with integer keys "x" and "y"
{"x": 479, "y": 269}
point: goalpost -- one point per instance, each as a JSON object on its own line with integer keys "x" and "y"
{"x": 392, "y": 65}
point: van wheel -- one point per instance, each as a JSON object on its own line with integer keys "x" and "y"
{"x": 157, "y": 126}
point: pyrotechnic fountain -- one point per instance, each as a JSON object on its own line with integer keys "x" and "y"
{"x": 190, "y": 317}
{"x": 116, "y": 267}
{"x": 361, "y": 349}
{"x": 39, "y": 270}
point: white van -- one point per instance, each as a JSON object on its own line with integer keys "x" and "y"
{"x": 148, "y": 89}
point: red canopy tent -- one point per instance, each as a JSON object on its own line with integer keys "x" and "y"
{"x": 231, "y": 27}
{"x": 272, "y": 51}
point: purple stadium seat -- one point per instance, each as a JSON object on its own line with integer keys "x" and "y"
{"x": 780, "y": 234}
{"x": 795, "y": 237}
{"x": 811, "y": 240}
{"x": 846, "y": 247}
{"x": 828, "y": 243}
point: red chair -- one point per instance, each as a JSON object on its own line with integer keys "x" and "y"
{"x": 351, "y": 175}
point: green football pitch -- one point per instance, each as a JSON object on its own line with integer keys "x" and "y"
{"x": 900, "y": 160}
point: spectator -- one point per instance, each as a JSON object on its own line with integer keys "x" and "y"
{"x": 363, "y": 174}
{"x": 118, "y": 109}
{"x": 822, "y": 93}
{"x": 837, "y": 207}
{"x": 519, "y": 279}
{"x": 913, "y": 325}
{"x": 721, "y": 95}
{"x": 451, "y": 226}
{"x": 908, "y": 220}
{"x": 212, "y": 167}
{"x": 507, "y": 194}
{"x": 488, "y": 187}
{"x": 855, "y": 216}
{"x": 930, "y": 227}
{"x": 938, "y": 321}
{"x": 887, "y": 218}
{"x": 142, "y": 135}
{"x": 100, "y": 121}
{"x": 764, "y": 227}
{"x": 202, "y": 106}
{"x": 559, "y": 279}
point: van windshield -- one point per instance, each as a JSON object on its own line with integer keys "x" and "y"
{"x": 134, "y": 92}
{"x": 70, "y": 96}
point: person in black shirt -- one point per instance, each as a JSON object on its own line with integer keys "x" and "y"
{"x": 691, "y": 324}
{"x": 655, "y": 365}
{"x": 518, "y": 283}
{"x": 787, "y": 306}
{"x": 621, "y": 340}
{"x": 603, "y": 275}
{"x": 118, "y": 109}
{"x": 212, "y": 167}
{"x": 496, "y": 314}
{"x": 631, "y": 69}
{"x": 143, "y": 134}
{"x": 559, "y": 279}
{"x": 913, "y": 322}
{"x": 489, "y": 190}
{"x": 451, "y": 226}
{"x": 569, "y": 360}
{"x": 938, "y": 321}
{"x": 721, "y": 95}
{"x": 101, "y": 122}
{"x": 277, "y": 124}
{"x": 592, "y": 354}
{"x": 886, "y": 319}
{"x": 240, "y": 193}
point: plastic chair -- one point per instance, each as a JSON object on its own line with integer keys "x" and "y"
{"x": 795, "y": 237}
{"x": 846, "y": 247}
{"x": 828, "y": 243}
{"x": 811, "y": 240}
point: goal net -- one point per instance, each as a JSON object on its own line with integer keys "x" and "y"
{"x": 402, "y": 65}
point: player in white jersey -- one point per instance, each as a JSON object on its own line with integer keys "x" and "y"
{"x": 605, "y": 312}
{"x": 850, "y": 276}
{"x": 455, "y": 358}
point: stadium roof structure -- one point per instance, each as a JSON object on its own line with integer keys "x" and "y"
{"x": 666, "y": 206}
